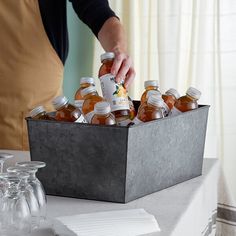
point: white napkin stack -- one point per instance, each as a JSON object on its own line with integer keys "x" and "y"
{"x": 112, "y": 223}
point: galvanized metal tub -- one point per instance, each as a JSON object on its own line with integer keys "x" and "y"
{"x": 118, "y": 164}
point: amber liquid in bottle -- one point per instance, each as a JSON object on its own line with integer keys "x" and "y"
{"x": 78, "y": 95}
{"x": 186, "y": 103}
{"x": 149, "y": 113}
{"x": 43, "y": 116}
{"x": 149, "y": 92}
{"x": 85, "y": 82}
{"x": 151, "y": 110}
{"x": 68, "y": 112}
{"x": 107, "y": 119}
{"x": 132, "y": 109}
{"x": 89, "y": 102}
{"x": 144, "y": 95}
{"x": 106, "y": 69}
{"x": 39, "y": 113}
{"x": 169, "y": 100}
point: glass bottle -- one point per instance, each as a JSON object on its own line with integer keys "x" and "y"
{"x": 149, "y": 93}
{"x": 90, "y": 99}
{"x": 170, "y": 97}
{"x": 149, "y": 85}
{"x": 187, "y": 102}
{"x": 152, "y": 110}
{"x": 132, "y": 113}
{"x": 67, "y": 111}
{"x": 102, "y": 114}
{"x": 39, "y": 113}
{"x": 115, "y": 93}
{"x": 85, "y": 82}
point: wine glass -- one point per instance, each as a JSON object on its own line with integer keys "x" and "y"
{"x": 36, "y": 185}
{"x": 28, "y": 191}
{"x": 3, "y": 187}
{"x": 3, "y": 158}
{"x": 15, "y": 213}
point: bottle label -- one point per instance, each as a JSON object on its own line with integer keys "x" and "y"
{"x": 137, "y": 121}
{"x": 132, "y": 110}
{"x": 81, "y": 119}
{"x": 174, "y": 112}
{"x": 114, "y": 93}
{"x": 124, "y": 122}
{"x": 89, "y": 116}
{"x": 79, "y": 104}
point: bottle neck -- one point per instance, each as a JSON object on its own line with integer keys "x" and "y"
{"x": 90, "y": 94}
{"x": 190, "y": 97}
{"x": 108, "y": 61}
{"x": 173, "y": 96}
{"x": 154, "y": 106}
{"x": 103, "y": 115}
{"x": 170, "y": 95}
{"x": 151, "y": 88}
{"x": 41, "y": 114}
{"x": 86, "y": 85}
{"x": 62, "y": 107}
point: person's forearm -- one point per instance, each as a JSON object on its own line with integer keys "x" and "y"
{"x": 112, "y": 36}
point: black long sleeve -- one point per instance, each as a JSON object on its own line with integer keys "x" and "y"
{"x": 93, "y": 12}
{"x": 53, "y": 12}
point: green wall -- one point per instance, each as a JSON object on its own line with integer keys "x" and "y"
{"x": 79, "y": 61}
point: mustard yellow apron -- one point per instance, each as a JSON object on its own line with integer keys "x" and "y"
{"x": 30, "y": 70}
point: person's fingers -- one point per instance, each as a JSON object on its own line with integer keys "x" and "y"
{"x": 125, "y": 67}
{"x": 130, "y": 77}
{"x": 119, "y": 57}
{"x": 122, "y": 68}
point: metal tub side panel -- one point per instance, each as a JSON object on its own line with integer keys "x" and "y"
{"x": 165, "y": 152}
{"x": 83, "y": 161}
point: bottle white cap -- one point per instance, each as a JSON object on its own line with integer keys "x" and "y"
{"x": 156, "y": 101}
{"x": 59, "y": 101}
{"x": 153, "y": 92}
{"x": 87, "y": 80}
{"x": 102, "y": 108}
{"x": 153, "y": 83}
{"x": 173, "y": 92}
{"x": 36, "y": 111}
{"x": 107, "y": 55}
{"x": 90, "y": 89}
{"x": 194, "y": 93}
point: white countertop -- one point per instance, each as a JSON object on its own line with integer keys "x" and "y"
{"x": 168, "y": 205}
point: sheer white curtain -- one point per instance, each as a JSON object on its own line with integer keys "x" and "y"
{"x": 183, "y": 43}
{"x": 227, "y": 47}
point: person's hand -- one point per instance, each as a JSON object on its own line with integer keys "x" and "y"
{"x": 123, "y": 68}
{"x": 112, "y": 38}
